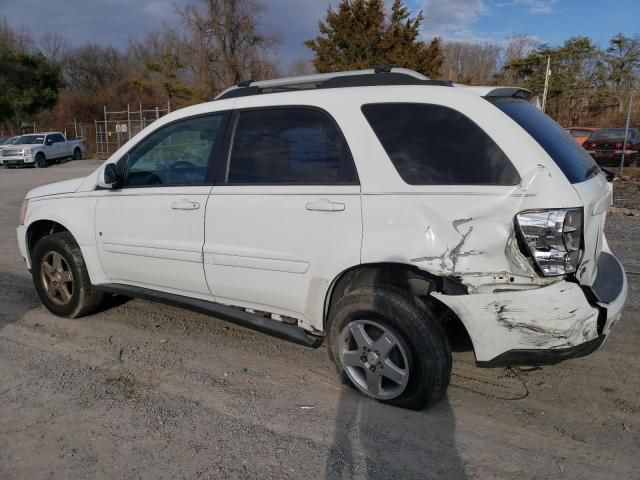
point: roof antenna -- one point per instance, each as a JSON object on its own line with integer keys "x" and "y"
{"x": 386, "y": 68}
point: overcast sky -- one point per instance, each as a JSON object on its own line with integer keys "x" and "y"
{"x": 553, "y": 21}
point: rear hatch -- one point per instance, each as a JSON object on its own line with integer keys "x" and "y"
{"x": 579, "y": 168}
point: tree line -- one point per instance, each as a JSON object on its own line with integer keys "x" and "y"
{"x": 221, "y": 42}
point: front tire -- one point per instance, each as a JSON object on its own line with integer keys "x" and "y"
{"x": 389, "y": 347}
{"x": 41, "y": 160}
{"x": 61, "y": 278}
{"x": 77, "y": 154}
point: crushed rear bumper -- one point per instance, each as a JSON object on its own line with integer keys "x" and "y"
{"x": 544, "y": 325}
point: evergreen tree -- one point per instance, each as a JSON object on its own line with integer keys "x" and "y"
{"x": 29, "y": 84}
{"x": 361, "y": 34}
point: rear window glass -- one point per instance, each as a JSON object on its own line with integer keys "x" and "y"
{"x": 436, "y": 145}
{"x": 611, "y": 134}
{"x": 571, "y": 158}
{"x": 579, "y": 133}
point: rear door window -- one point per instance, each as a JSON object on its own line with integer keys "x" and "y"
{"x": 290, "y": 146}
{"x": 571, "y": 158}
{"x": 436, "y": 145}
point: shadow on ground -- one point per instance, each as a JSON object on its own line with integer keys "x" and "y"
{"x": 376, "y": 441}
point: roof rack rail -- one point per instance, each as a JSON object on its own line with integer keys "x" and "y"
{"x": 382, "y": 75}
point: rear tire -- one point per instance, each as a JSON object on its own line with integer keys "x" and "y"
{"x": 401, "y": 336}
{"x": 77, "y": 154}
{"x": 61, "y": 278}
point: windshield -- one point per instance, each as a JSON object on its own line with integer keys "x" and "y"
{"x": 608, "y": 134}
{"x": 571, "y": 158}
{"x": 30, "y": 140}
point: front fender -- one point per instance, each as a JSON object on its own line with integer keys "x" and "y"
{"x": 76, "y": 215}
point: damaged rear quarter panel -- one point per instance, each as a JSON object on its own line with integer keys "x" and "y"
{"x": 469, "y": 233}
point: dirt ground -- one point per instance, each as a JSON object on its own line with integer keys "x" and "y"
{"x": 147, "y": 391}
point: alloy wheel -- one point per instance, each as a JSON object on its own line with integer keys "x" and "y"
{"x": 56, "y": 278}
{"x": 374, "y": 359}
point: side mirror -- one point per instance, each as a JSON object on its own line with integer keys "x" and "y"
{"x": 108, "y": 177}
{"x": 48, "y": 141}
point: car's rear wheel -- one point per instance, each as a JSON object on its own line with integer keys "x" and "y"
{"x": 41, "y": 160}
{"x": 77, "y": 154}
{"x": 389, "y": 347}
{"x": 61, "y": 278}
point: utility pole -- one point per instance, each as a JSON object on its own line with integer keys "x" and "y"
{"x": 547, "y": 74}
{"x": 626, "y": 133}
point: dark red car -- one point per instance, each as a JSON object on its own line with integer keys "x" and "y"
{"x": 606, "y": 145}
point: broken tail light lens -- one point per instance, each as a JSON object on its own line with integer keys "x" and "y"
{"x": 553, "y": 239}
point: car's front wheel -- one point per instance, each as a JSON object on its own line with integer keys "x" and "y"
{"x": 61, "y": 278}
{"x": 41, "y": 160}
{"x": 389, "y": 347}
{"x": 77, "y": 154}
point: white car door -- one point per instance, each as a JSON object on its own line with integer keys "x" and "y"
{"x": 51, "y": 147}
{"x": 64, "y": 147}
{"x": 284, "y": 217}
{"x": 150, "y": 232}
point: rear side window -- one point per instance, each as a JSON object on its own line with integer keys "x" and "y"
{"x": 571, "y": 158}
{"x": 289, "y": 146}
{"x": 436, "y": 145}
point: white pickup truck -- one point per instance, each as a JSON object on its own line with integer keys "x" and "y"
{"x": 41, "y": 149}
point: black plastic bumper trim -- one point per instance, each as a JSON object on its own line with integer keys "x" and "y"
{"x": 551, "y": 356}
{"x": 291, "y": 333}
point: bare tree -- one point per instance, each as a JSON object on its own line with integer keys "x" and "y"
{"x": 54, "y": 46}
{"x": 622, "y": 58}
{"x": 301, "y": 66}
{"x": 19, "y": 39}
{"x": 225, "y": 43}
{"x": 92, "y": 68}
{"x": 470, "y": 63}
{"x": 518, "y": 46}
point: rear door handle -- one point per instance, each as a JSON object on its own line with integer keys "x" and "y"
{"x": 324, "y": 205}
{"x": 185, "y": 205}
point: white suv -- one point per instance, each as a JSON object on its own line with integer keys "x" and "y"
{"x": 369, "y": 209}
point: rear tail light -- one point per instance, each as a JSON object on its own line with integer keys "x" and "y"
{"x": 619, "y": 145}
{"x": 553, "y": 239}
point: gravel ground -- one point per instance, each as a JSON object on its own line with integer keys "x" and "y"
{"x": 148, "y": 391}
{"x": 626, "y": 191}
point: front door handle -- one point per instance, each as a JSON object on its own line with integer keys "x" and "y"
{"x": 185, "y": 205}
{"x": 324, "y": 205}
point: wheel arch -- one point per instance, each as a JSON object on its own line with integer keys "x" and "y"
{"x": 39, "y": 229}
{"x": 415, "y": 282}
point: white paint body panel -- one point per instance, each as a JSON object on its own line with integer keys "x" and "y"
{"x": 142, "y": 239}
{"x": 554, "y": 316}
{"x": 259, "y": 248}
{"x": 264, "y": 250}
